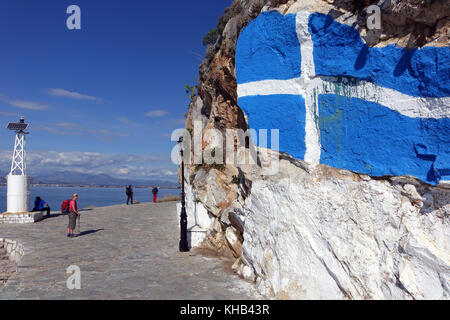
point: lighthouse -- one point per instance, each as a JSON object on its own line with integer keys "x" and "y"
{"x": 18, "y": 193}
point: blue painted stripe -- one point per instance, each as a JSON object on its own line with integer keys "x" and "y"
{"x": 367, "y": 137}
{"x": 283, "y": 112}
{"x": 268, "y": 48}
{"x": 340, "y": 51}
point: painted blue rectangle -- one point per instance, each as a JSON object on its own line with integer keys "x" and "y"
{"x": 268, "y": 48}
{"x": 283, "y": 112}
{"x": 369, "y": 138}
{"x": 340, "y": 51}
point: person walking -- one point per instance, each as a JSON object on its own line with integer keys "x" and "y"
{"x": 73, "y": 214}
{"x": 129, "y": 193}
{"x": 155, "y": 193}
{"x": 41, "y": 205}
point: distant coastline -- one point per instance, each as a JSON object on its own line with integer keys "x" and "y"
{"x": 58, "y": 185}
{"x": 89, "y": 196}
{"x": 73, "y": 179}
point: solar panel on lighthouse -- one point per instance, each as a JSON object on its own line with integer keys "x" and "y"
{"x": 17, "y": 126}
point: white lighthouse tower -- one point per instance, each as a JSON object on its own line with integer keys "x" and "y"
{"x": 18, "y": 193}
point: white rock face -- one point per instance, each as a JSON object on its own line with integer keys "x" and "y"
{"x": 233, "y": 238}
{"x": 333, "y": 234}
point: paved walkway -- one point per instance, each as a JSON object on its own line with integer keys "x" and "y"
{"x": 124, "y": 252}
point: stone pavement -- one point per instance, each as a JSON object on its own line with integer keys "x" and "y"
{"x": 124, "y": 252}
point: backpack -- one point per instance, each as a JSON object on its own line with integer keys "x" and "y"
{"x": 65, "y": 206}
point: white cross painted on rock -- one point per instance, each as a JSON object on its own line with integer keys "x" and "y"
{"x": 310, "y": 86}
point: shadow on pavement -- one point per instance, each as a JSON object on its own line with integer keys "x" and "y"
{"x": 53, "y": 215}
{"x": 84, "y": 233}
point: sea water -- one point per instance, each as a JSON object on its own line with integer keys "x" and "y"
{"x": 88, "y": 197}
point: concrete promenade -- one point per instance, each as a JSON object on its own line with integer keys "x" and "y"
{"x": 123, "y": 252}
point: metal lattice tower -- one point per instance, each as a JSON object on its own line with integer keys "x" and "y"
{"x": 18, "y": 164}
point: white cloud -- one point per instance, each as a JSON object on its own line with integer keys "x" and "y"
{"x": 59, "y": 132}
{"x": 156, "y": 113}
{"x": 71, "y": 94}
{"x": 72, "y": 126}
{"x": 27, "y": 105}
{"x": 123, "y": 171}
{"x": 105, "y": 134}
{"x": 65, "y": 124}
{"x": 136, "y": 166}
{"x": 170, "y": 172}
{"x": 179, "y": 121}
{"x": 30, "y": 105}
{"x": 7, "y": 114}
{"x": 166, "y": 135}
{"x": 127, "y": 121}
{"x": 75, "y": 129}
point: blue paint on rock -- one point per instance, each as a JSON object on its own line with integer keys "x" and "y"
{"x": 268, "y": 48}
{"x": 356, "y": 135}
{"x": 340, "y": 51}
{"x": 367, "y": 137}
{"x": 283, "y": 112}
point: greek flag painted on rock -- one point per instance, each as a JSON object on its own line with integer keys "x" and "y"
{"x": 378, "y": 111}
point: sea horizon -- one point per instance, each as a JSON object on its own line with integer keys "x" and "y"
{"x": 102, "y": 197}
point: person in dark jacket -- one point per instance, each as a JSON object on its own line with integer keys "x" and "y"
{"x": 41, "y": 205}
{"x": 155, "y": 193}
{"x": 129, "y": 193}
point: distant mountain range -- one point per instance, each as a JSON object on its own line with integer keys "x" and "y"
{"x": 76, "y": 178}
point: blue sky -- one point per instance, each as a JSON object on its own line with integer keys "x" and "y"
{"x": 103, "y": 99}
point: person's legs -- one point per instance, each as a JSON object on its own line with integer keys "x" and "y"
{"x": 48, "y": 210}
{"x": 72, "y": 223}
{"x": 131, "y": 198}
{"x": 154, "y": 197}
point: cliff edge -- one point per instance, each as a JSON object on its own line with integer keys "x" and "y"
{"x": 348, "y": 196}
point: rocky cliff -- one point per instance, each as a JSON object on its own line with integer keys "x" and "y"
{"x": 352, "y": 201}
